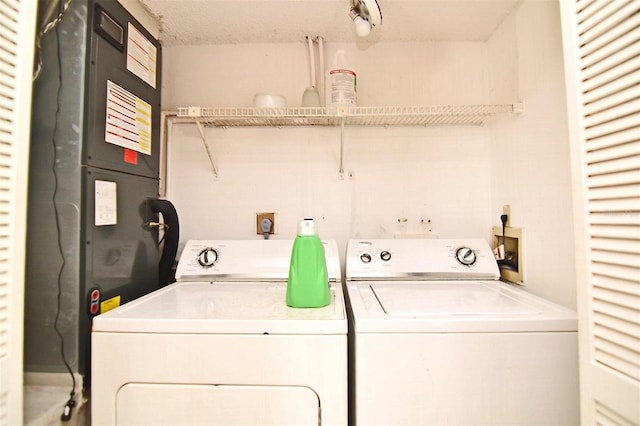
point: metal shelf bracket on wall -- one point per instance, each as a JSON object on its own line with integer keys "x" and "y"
{"x": 385, "y": 116}
{"x": 341, "y": 170}
{"x": 206, "y": 146}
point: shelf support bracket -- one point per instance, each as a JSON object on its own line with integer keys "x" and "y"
{"x": 206, "y": 146}
{"x": 341, "y": 171}
{"x": 518, "y": 107}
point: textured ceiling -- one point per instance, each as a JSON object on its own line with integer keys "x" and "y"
{"x": 282, "y": 21}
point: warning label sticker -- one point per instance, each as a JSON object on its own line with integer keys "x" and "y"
{"x": 128, "y": 120}
{"x": 109, "y": 304}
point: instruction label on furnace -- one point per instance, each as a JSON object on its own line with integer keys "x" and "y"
{"x": 142, "y": 56}
{"x": 106, "y": 206}
{"x": 128, "y": 120}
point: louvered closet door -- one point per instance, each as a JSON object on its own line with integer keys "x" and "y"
{"x": 17, "y": 23}
{"x": 602, "y": 59}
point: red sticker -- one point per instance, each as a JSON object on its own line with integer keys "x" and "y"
{"x": 130, "y": 156}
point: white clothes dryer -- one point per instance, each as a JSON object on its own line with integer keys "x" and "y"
{"x": 220, "y": 346}
{"x": 437, "y": 339}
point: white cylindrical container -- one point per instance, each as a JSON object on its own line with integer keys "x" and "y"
{"x": 340, "y": 82}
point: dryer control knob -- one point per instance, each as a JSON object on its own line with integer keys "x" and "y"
{"x": 466, "y": 256}
{"x": 365, "y": 258}
{"x": 385, "y": 255}
{"x": 208, "y": 257}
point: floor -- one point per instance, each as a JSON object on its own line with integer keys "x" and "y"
{"x": 46, "y": 394}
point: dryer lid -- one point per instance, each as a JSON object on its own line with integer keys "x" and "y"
{"x": 224, "y": 308}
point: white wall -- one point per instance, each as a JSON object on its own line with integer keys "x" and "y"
{"x": 439, "y": 173}
{"x": 390, "y": 174}
{"x": 530, "y": 154}
{"x": 388, "y": 73}
{"x": 453, "y": 176}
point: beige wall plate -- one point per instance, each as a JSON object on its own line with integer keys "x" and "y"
{"x": 511, "y": 269}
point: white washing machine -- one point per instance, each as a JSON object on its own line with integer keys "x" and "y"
{"x": 221, "y": 347}
{"x": 437, "y": 339}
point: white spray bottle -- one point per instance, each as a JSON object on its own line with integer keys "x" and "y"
{"x": 341, "y": 83}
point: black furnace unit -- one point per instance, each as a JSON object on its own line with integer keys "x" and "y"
{"x": 94, "y": 169}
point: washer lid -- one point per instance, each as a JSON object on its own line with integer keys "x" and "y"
{"x": 465, "y": 298}
{"x": 453, "y": 306}
{"x": 223, "y": 308}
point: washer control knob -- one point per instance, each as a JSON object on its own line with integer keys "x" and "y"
{"x": 466, "y": 256}
{"x": 208, "y": 257}
{"x": 385, "y": 255}
{"x": 365, "y": 258}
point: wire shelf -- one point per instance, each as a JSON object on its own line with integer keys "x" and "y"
{"x": 467, "y": 115}
{"x": 357, "y": 116}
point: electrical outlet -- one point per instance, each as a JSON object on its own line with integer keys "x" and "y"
{"x": 506, "y": 209}
{"x": 426, "y": 226}
{"x": 260, "y": 217}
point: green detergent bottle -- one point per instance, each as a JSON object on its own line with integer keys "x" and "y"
{"x": 308, "y": 285}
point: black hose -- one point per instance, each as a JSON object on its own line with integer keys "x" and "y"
{"x": 171, "y": 237}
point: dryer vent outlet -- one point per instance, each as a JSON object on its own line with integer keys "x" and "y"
{"x": 260, "y": 217}
{"x": 511, "y": 268}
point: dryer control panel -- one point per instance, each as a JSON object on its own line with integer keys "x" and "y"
{"x": 245, "y": 260}
{"x": 433, "y": 259}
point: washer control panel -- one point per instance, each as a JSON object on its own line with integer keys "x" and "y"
{"x": 466, "y": 256}
{"x": 446, "y": 259}
{"x": 366, "y": 257}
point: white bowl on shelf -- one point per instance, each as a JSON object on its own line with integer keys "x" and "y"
{"x": 269, "y": 100}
